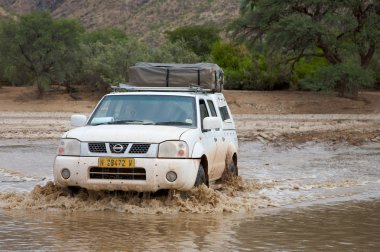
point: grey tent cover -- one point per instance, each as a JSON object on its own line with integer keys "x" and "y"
{"x": 206, "y": 75}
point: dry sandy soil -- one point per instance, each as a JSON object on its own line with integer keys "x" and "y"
{"x": 276, "y": 117}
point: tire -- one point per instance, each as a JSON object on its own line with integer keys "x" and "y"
{"x": 201, "y": 176}
{"x": 232, "y": 169}
{"x": 70, "y": 190}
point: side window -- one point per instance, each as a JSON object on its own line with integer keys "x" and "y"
{"x": 203, "y": 111}
{"x": 224, "y": 112}
{"x": 212, "y": 108}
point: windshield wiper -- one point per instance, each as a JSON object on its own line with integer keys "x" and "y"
{"x": 173, "y": 123}
{"x": 126, "y": 122}
{"x": 131, "y": 122}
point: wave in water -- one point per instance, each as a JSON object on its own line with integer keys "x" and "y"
{"x": 236, "y": 195}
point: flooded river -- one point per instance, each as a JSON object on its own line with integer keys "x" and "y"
{"x": 308, "y": 197}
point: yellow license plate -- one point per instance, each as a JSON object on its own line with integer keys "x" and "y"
{"x": 116, "y": 162}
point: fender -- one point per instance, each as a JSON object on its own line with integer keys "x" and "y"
{"x": 198, "y": 150}
{"x": 231, "y": 150}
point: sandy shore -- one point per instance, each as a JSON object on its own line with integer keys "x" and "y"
{"x": 350, "y": 128}
{"x": 276, "y": 116}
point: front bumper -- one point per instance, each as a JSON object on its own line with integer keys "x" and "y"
{"x": 155, "y": 168}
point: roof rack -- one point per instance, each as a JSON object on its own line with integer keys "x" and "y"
{"x": 124, "y": 87}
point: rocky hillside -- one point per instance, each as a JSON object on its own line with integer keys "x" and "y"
{"x": 148, "y": 19}
{"x": 3, "y": 13}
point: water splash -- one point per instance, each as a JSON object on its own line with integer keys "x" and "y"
{"x": 236, "y": 195}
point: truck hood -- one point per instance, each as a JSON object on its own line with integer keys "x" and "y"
{"x": 126, "y": 133}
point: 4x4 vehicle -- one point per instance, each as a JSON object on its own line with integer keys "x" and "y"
{"x": 147, "y": 139}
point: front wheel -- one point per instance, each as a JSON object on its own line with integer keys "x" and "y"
{"x": 201, "y": 176}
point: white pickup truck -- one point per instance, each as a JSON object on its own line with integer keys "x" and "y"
{"x": 147, "y": 139}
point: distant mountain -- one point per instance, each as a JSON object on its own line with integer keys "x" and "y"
{"x": 147, "y": 19}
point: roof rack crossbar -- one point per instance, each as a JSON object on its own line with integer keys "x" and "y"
{"x": 129, "y": 88}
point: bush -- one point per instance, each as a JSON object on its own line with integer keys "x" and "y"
{"x": 374, "y": 68}
{"x": 173, "y": 52}
{"x": 269, "y": 72}
{"x": 246, "y": 70}
{"x": 37, "y": 49}
{"x": 107, "y": 55}
{"x": 328, "y": 78}
{"x": 306, "y": 68}
{"x": 236, "y": 62}
{"x": 198, "y": 39}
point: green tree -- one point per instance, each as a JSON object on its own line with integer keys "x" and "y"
{"x": 108, "y": 54}
{"x": 344, "y": 32}
{"x": 176, "y": 52}
{"x": 252, "y": 69}
{"x": 375, "y": 66}
{"x": 40, "y": 49}
{"x": 307, "y": 69}
{"x": 236, "y": 62}
{"x": 199, "y": 39}
{"x": 105, "y": 36}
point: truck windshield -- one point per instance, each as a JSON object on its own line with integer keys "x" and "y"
{"x": 145, "y": 110}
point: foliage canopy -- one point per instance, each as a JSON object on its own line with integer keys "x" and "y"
{"x": 198, "y": 39}
{"x": 38, "y": 49}
{"x": 344, "y": 32}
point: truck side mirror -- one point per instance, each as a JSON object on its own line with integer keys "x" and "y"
{"x": 212, "y": 123}
{"x": 78, "y": 120}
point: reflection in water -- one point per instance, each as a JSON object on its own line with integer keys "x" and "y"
{"x": 111, "y": 231}
{"x": 330, "y": 227}
{"x": 348, "y": 226}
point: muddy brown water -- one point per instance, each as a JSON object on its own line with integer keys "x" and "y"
{"x": 308, "y": 197}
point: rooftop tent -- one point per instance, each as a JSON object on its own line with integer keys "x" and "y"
{"x": 205, "y": 75}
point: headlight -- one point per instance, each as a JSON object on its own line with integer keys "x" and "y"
{"x": 68, "y": 147}
{"x": 173, "y": 149}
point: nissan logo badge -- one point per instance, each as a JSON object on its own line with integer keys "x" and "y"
{"x": 117, "y": 148}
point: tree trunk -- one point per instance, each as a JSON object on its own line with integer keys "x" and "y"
{"x": 345, "y": 91}
{"x": 40, "y": 87}
{"x": 68, "y": 87}
{"x": 41, "y": 90}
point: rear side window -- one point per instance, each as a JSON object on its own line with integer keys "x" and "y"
{"x": 203, "y": 111}
{"x": 212, "y": 108}
{"x": 224, "y": 112}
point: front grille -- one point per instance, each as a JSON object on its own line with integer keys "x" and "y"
{"x": 122, "y": 150}
{"x": 118, "y": 173}
{"x": 139, "y": 148}
{"x": 97, "y": 147}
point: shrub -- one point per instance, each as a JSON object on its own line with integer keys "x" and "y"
{"x": 246, "y": 70}
{"x": 173, "y": 52}
{"x": 329, "y": 78}
{"x": 107, "y": 55}
{"x": 198, "y": 39}
{"x": 37, "y": 49}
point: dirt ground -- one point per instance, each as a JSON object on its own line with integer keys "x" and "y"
{"x": 24, "y": 99}
{"x": 298, "y": 102}
{"x": 275, "y": 117}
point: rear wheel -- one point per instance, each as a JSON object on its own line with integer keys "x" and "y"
{"x": 232, "y": 169}
{"x": 201, "y": 176}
